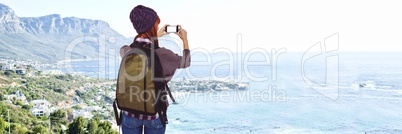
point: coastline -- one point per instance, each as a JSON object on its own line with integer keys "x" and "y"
{"x": 75, "y": 60}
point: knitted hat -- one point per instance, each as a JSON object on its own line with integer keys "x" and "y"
{"x": 143, "y": 18}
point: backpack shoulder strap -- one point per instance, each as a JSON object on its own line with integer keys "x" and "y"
{"x": 166, "y": 87}
{"x": 170, "y": 93}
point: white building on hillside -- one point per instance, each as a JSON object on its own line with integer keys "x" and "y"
{"x": 20, "y": 70}
{"x": 17, "y": 96}
{"x": 8, "y": 67}
{"x": 41, "y": 103}
{"x": 40, "y": 108}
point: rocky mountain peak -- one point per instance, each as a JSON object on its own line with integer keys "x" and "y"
{"x": 55, "y": 24}
{"x": 9, "y": 21}
{"x": 46, "y": 38}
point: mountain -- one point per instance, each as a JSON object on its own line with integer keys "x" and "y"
{"x": 52, "y": 38}
{"x": 9, "y": 22}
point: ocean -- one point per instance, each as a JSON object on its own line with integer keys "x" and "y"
{"x": 347, "y": 92}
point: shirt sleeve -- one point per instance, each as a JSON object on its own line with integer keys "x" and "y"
{"x": 185, "y": 59}
{"x": 171, "y": 61}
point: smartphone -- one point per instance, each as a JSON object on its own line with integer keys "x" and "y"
{"x": 172, "y": 29}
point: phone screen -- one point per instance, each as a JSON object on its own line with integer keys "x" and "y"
{"x": 172, "y": 29}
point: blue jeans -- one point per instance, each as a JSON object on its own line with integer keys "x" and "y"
{"x": 132, "y": 125}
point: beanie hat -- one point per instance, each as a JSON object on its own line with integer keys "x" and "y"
{"x": 143, "y": 18}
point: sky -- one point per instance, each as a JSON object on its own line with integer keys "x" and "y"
{"x": 291, "y": 24}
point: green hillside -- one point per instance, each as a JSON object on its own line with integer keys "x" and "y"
{"x": 59, "y": 91}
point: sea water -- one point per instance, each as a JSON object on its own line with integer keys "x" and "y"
{"x": 284, "y": 102}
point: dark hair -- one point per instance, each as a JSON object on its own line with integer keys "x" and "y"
{"x": 151, "y": 34}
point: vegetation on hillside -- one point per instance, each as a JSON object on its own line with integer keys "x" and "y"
{"x": 59, "y": 91}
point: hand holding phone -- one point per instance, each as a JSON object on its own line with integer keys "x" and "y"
{"x": 172, "y": 29}
{"x": 182, "y": 33}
